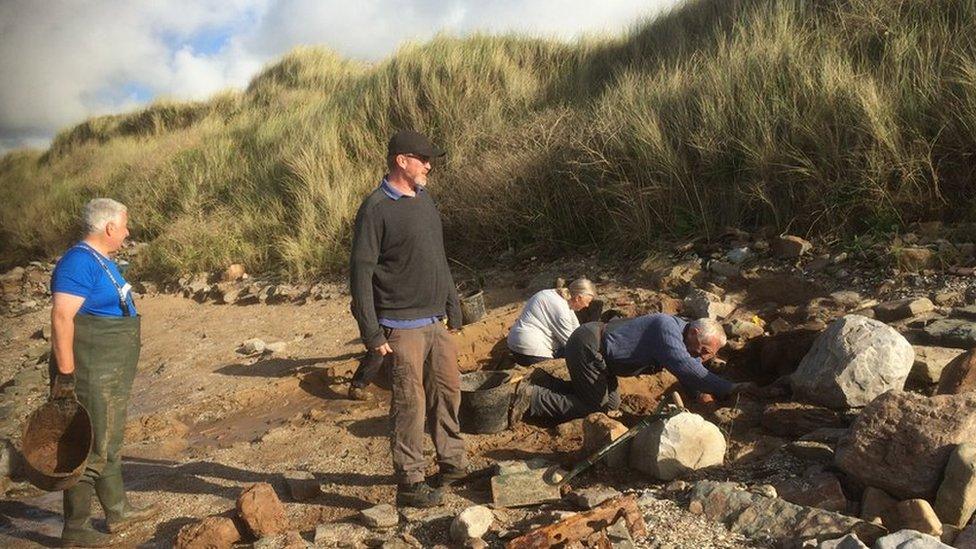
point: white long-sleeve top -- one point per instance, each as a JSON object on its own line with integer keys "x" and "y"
{"x": 544, "y": 325}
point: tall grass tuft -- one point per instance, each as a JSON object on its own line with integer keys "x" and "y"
{"x": 835, "y": 117}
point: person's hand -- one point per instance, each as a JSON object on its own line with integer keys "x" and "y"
{"x": 705, "y": 398}
{"x": 63, "y": 387}
{"x": 384, "y": 349}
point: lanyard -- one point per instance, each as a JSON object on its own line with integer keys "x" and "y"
{"x": 121, "y": 290}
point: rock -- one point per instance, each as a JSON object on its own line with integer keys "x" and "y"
{"x": 847, "y": 299}
{"x": 903, "y": 308}
{"x": 967, "y": 538}
{"x": 570, "y": 429}
{"x": 598, "y": 431}
{"x": 701, "y": 304}
{"x": 822, "y": 491}
{"x": 947, "y": 298}
{"x": 475, "y": 543}
{"x": 959, "y": 375}
{"x": 743, "y": 329}
{"x": 252, "y": 346}
{"x": 233, "y": 273}
{"x": 930, "y": 362}
{"x": 590, "y": 497}
{"x": 676, "y": 486}
{"x": 674, "y": 277}
{"x": 902, "y": 441}
{"x": 811, "y": 450}
{"x": 677, "y": 445}
{"x": 790, "y": 247}
{"x": 755, "y": 515}
{"x": 909, "y": 539}
{"x": 914, "y": 259}
{"x": 737, "y": 256}
{"x": 342, "y": 534}
{"x": 209, "y": 533}
{"x": 955, "y": 501}
{"x": 11, "y": 462}
{"x": 382, "y": 516}
{"x": 261, "y": 510}
{"x": 228, "y": 293}
{"x": 951, "y": 332}
{"x": 949, "y": 534}
{"x": 287, "y": 540}
{"x": 302, "y": 485}
{"x": 508, "y": 467}
{"x": 723, "y": 268}
{"x": 472, "y": 523}
{"x": 275, "y": 347}
{"x": 876, "y": 504}
{"x": 829, "y": 435}
{"x": 854, "y": 360}
{"x": 917, "y": 514}
{"x": 850, "y": 541}
{"x": 794, "y": 419}
{"x": 966, "y": 313}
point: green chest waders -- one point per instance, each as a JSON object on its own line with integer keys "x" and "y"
{"x": 106, "y": 352}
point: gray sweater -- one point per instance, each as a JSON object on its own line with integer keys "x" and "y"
{"x": 398, "y": 267}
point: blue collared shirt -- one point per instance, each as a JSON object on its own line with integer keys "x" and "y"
{"x": 392, "y": 322}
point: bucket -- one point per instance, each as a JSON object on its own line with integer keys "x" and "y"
{"x": 472, "y": 306}
{"x": 56, "y": 442}
{"x": 485, "y": 399}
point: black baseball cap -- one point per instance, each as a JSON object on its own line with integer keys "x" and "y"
{"x": 411, "y": 142}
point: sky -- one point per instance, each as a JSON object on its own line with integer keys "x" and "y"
{"x": 62, "y": 61}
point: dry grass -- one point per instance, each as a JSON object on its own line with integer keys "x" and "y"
{"x": 835, "y": 117}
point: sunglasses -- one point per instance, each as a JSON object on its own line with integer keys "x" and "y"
{"x": 419, "y": 157}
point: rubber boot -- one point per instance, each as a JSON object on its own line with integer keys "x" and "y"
{"x": 119, "y": 512}
{"x": 77, "y": 526}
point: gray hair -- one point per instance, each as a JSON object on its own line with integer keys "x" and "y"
{"x": 580, "y": 286}
{"x": 99, "y": 212}
{"x": 708, "y": 329}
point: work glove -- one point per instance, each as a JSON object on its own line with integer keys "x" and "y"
{"x": 63, "y": 387}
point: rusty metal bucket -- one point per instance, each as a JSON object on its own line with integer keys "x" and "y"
{"x": 56, "y": 441}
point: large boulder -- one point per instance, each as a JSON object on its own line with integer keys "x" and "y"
{"x": 677, "y": 445}
{"x": 902, "y": 441}
{"x": 959, "y": 376}
{"x": 853, "y": 361}
{"x": 262, "y": 511}
{"x": 910, "y": 539}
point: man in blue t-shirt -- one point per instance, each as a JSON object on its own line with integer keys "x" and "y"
{"x": 95, "y": 344}
{"x": 598, "y": 353}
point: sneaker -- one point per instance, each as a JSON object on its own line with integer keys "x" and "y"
{"x": 418, "y": 494}
{"x": 358, "y": 393}
{"x": 520, "y": 402}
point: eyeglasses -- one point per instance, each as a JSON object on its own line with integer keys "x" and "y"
{"x": 419, "y": 157}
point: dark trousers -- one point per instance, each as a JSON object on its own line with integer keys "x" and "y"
{"x": 592, "y": 388}
{"x": 527, "y": 360}
{"x": 426, "y": 391}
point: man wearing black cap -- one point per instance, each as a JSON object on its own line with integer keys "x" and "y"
{"x": 401, "y": 290}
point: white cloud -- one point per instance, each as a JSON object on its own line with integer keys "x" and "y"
{"x": 65, "y": 60}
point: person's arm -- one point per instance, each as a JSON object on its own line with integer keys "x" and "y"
{"x": 65, "y": 307}
{"x": 565, "y": 322}
{"x": 363, "y": 259}
{"x": 691, "y": 372}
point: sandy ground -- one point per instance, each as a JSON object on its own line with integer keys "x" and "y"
{"x": 205, "y": 420}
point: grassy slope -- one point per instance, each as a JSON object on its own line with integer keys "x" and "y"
{"x": 816, "y": 116}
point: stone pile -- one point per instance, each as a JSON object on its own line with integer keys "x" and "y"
{"x": 25, "y": 289}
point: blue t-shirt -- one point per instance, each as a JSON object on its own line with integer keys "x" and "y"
{"x": 78, "y": 273}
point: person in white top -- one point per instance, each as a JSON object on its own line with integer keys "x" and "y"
{"x": 546, "y": 322}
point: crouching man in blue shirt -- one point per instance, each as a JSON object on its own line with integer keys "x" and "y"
{"x": 597, "y": 354}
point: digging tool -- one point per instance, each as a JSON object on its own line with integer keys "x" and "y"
{"x": 533, "y": 487}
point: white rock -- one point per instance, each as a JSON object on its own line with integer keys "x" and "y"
{"x": 701, "y": 304}
{"x": 683, "y": 443}
{"x": 850, "y": 541}
{"x": 253, "y": 346}
{"x": 472, "y": 523}
{"x": 909, "y": 539}
{"x": 853, "y": 361}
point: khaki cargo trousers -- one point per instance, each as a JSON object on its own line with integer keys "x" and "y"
{"x": 426, "y": 392}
